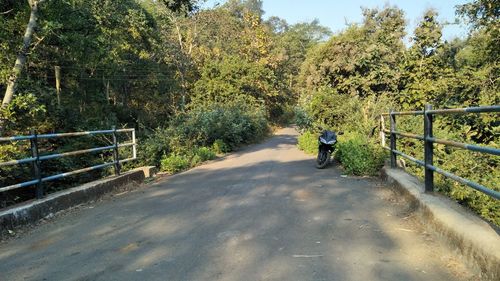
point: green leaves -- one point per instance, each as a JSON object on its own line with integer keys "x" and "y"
{"x": 362, "y": 60}
{"x": 358, "y": 155}
{"x": 308, "y": 142}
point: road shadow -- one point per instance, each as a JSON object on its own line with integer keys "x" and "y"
{"x": 270, "y": 219}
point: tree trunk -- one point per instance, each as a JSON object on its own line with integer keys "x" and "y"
{"x": 57, "y": 70}
{"x": 21, "y": 57}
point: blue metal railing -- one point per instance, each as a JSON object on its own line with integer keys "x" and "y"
{"x": 429, "y": 140}
{"x": 36, "y": 159}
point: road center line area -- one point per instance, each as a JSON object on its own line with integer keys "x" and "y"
{"x": 263, "y": 213}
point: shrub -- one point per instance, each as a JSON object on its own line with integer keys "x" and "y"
{"x": 308, "y": 142}
{"x": 204, "y": 153}
{"x": 220, "y": 147}
{"x": 154, "y": 147}
{"x": 233, "y": 124}
{"x": 175, "y": 163}
{"x": 220, "y": 126}
{"x": 302, "y": 119}
{"x": 359, "y": 155}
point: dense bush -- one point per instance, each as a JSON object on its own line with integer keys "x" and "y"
{"x": 201, "y": 133}
{"x": 175, "y": 163}
{"x": 308, "y": 142}
{"x": 302, "y": 119}
{"x": 202, "y": 154}
{"x": 220, "y": 147}
{"x": 234, "y": 124}
{"x": 359, "y": 155}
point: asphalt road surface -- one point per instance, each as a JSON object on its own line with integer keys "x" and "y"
{"x": 264, "y": 213}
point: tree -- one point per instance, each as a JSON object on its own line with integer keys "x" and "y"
{"x": 21, "y": 57}
{"x": 239, "y": 8}
{"x": 484, "y": 15}
{"x": 362, "y": 60}
{"x": 422, "y": 68}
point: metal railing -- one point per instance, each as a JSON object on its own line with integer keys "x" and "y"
{"x": 429, "y": 140}
{"x": 36, "y": 159}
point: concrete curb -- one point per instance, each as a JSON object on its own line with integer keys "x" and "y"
{"x": 32, "y": 211}
{"x": 476, "y": 240}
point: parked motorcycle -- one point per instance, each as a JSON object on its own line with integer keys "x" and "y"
{"x": 327, "y": 141}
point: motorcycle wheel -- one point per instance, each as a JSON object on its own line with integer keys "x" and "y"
{"x": 323, "y": 159}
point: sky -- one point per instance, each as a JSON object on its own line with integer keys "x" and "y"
{"x": 335, "y": 14}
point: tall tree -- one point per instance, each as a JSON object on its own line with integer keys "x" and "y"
{"x": 21, "y": 57}
{"x": 422, "y": 67}
{"x": 362, "y": 60}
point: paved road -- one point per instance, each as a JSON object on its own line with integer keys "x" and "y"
{"x": 264, "y": 213}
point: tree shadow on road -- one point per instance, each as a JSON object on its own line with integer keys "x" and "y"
{"x": 254, "y": 220}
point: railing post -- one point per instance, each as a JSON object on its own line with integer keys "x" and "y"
{"x": 393, "y": 139}
{"x": 116, "y": 156}
{"x": 382, "y": 131}
{"x": 428, "y": 149}
{"x": 134, "y": 146}
{"x": 37, "y": 169}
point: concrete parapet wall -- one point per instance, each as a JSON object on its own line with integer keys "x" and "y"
{"x": 477, "y": 241}
{"x": 32, "y": 211}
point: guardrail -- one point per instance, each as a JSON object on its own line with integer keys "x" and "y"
{"x": 36, "y": 159}
{"x": 429, "y": 140}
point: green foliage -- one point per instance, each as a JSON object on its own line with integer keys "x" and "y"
{"x": 155, "y": 146}
{"x": 325, "y": 108}
{"x": 302, "y": 119}
{"x": 359, "y": 155}
{"x": 23, "y": 113}
{"x": 220, "y": 147}
{"x": 236, "y": 80}
{"x": 360, "y": 61}
{"x": 366, "y": 70}
{"x": 175, "y": 163}
{"x": 204, "y": 154}
{"x": 223, "y": 127}
{"x": 214, "y": 78}
{"x": 308, "y": 142}
{"x": 477, "y": 167}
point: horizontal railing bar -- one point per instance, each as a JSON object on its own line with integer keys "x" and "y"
{"x": 476, "y": 186}
{"x": 72, "y": 153}
{"x": 59, "y": 155}
{"x": 63, "y": 175}
{"x": 16, "y": 162}
{"x": 60, "y": 135}
{"x": 127, "y": 144}
{"x": 408, "y": 135}
{"x": 19, "y": 185}
{"x": 17, "y": 138}
{"x": 419, "y": 162}
{"x": 490, "y": 150}
{"x": 472, "y": 147}
{"x": 128, "y": 159}
{"x": 479, "y": 109}
{"x": 75, "y": 134}
{"x": 416, "y": 112}
{"x": 124, "y": 130}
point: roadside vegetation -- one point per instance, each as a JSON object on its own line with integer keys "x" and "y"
{"x": 367, "y": 69}
{"x": 196, "y": 83}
